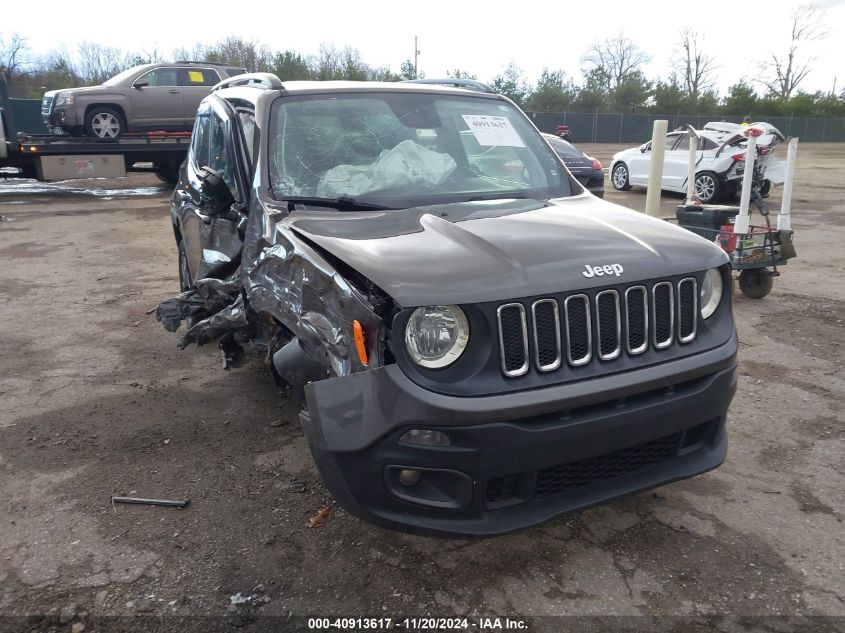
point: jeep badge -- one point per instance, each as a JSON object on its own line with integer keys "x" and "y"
{"x": 600, "y": 271}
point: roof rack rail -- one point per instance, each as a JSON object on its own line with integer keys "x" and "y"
{"x": 454, "y": 82}
{"x": 193, "y": 61}
{"x": 264, "y": 81}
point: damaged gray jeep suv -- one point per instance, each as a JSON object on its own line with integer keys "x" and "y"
{"x": 479, "y": 343}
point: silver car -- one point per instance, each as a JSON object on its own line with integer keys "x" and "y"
{"x": 145, "y": 98}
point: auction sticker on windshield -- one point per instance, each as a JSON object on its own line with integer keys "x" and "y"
{"x": 493, "y": 130}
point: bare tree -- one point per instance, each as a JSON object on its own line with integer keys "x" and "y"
{"x": 97, "y": 62}
{"x": 11, "y": 58}
{"x": 783, "y": 73}
{"x": 614, "y": 59}
{"x": 693, "y": 64}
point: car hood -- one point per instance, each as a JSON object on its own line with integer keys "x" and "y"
{"x": 626, "y": 152}
{"x": 504, "y": 249}
{"x": 77, "y": 91}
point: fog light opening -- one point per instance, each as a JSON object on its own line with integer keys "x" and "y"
{"x": 409, "y": 477}
{"x": 425, "y": 437}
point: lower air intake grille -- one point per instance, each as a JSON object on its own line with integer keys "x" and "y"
{"x": 557, "y": 479}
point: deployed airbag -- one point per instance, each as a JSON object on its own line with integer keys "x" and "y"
{"x": 408, "y": 164}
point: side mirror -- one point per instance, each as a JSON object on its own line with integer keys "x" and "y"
{"x": 140, "y": 84}
{"x": 644, "y": 148}
{"x": 215, "y": 193}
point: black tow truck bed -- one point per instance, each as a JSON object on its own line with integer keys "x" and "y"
{"x": 55, "y": 157}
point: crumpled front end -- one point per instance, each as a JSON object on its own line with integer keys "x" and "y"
{"x": 285, "y": 277}
{"x": 283, "y": 290}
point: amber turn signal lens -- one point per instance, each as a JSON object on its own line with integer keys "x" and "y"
{"x": 359, "y": 342}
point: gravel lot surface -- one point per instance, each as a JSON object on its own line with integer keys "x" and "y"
{"x": 97, "y": 400}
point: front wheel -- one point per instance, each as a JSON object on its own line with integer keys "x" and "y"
{"x": 185, "y": 281}
{"x": 707, "y": 187}
{"x": 755, "y": 283}
{"x": 619, "y": 177}
{"x": 167, "y": 173}
{"x": 105, "y": 123}
{"x": 766, "y": 188}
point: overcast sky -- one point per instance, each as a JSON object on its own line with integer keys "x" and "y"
{"x": 479, "y": 37}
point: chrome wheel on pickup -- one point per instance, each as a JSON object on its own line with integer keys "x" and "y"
{"x": 105, "y": 123}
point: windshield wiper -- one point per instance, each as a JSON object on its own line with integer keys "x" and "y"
{"x": 342, "y": 203}
{"x": 504, "y": 195}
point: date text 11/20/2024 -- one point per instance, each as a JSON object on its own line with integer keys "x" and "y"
{"x": 421, "y": 624}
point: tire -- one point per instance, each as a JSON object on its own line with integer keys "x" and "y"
{"x": 168, "y": 173}
{"x": 708, "y": 188}
{"x": 766, "y": 188}
{"x": 185, "y": 281}
{"x": 105, "y": 123}
{"x": 619, "y": 177}
{"x": 755, "y": 283}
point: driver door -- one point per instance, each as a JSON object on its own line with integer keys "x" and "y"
{"x": 213, "y": 239}
{"x": 640, "y": 164}
{"x": 160, "y": 103}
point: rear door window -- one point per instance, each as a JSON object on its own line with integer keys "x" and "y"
{"x": 670, "y": 141}
{"x": 198, "y": 77}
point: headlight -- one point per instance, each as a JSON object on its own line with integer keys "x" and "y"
{"x": 64, "y": 99}
{"x": 711, "y": 292}
{"x": 436, "y": 335}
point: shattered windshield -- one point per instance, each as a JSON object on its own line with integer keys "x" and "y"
{"x": 401, "y": 149}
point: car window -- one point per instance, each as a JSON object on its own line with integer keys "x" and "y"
{"x": 563, "y": 148}
{"x": 197, "y": 77}
{"x": 670, "y": 141}
{"x": 407, "y": 149}
{"x": 683, "y": 144}
{"x": 220, "y": 152}
{"x": 161, "y": 77}
{"x": 211, "y": 146}
{"x": 707, "y": 143}
{"x": 125, "y": 76}
{"x": 200, "y": 140}
{"x": 247, "y": 121}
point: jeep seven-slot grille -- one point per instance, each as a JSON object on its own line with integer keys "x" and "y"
{"x": 581, "y": 329}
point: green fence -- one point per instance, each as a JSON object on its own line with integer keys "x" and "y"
{"x": 597, "y": 127}
{"x": 604, "y": 127}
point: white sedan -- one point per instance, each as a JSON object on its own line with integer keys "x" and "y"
{"x": 719, "y": 167}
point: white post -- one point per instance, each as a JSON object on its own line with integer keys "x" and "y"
{"x": 784, "y": 220}
{"x": 742, "y": 220}
{"x": 655, "y": 173}
{"x": 693, "y": 151}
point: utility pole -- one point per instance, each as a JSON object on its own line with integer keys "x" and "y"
{"x": 416, "y": 54}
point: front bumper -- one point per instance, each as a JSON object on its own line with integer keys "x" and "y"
{"x": 61, "y": 116}
{"x": 519, "y": 459}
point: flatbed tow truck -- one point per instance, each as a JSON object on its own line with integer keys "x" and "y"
{"x": 60, "y": 157}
